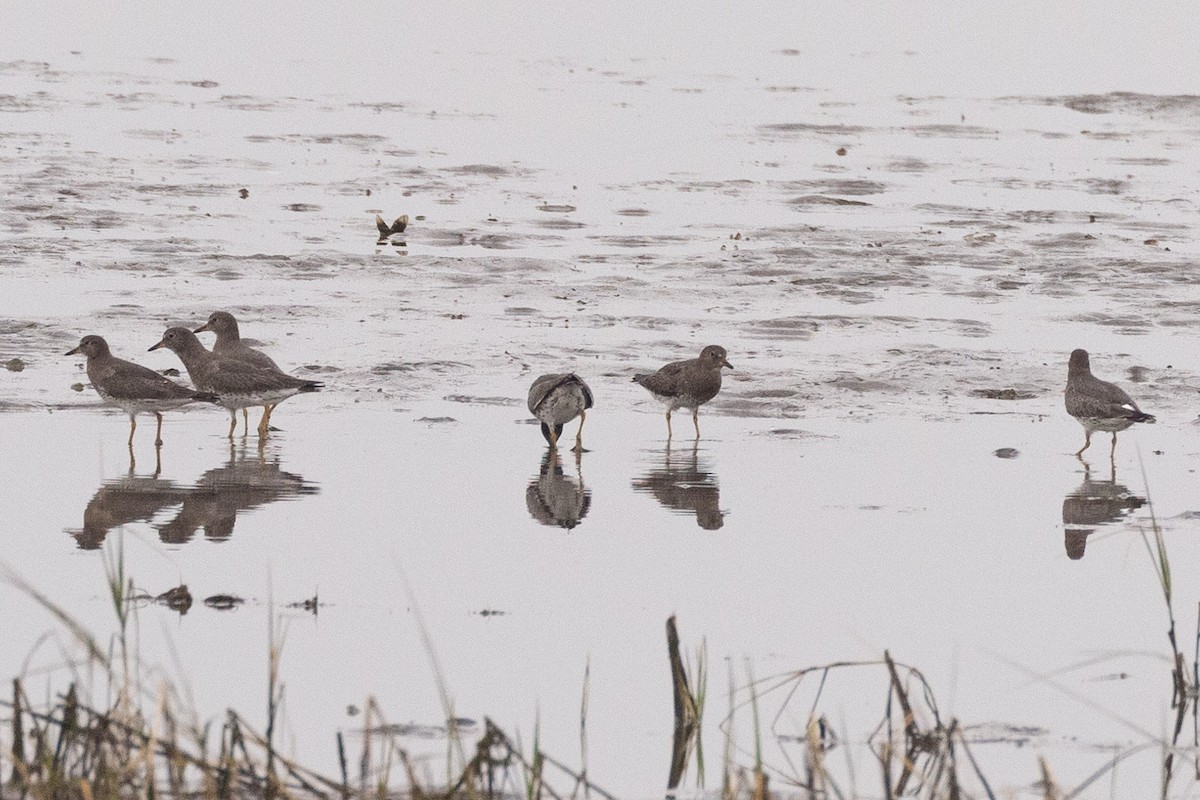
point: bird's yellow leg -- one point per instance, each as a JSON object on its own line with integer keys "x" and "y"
{"x": 158, "y": 433}
{"x": 1087, "y": 442}
{"x": 668, "y": 424}
{"x": 579, "y": 433}
{"x": 262, "y": 425}
{"x": 553, "y": 439}
{"x": 132, "y": 428}
{"x": 232, "y": 423}
{"x": 696, "y": 421}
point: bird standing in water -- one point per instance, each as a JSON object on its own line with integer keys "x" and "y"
{"x": 1098, "y": 405}
{"x": 235, "y": 383}
{"x": 131, "y": 387}
{"x": 229, "y": 344}
{"x": 687, "y": 384}
{"x": 555, "y": 400}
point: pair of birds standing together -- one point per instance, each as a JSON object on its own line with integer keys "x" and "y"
{"x": 558, "y": 398}
{"x": 233, "y": 375}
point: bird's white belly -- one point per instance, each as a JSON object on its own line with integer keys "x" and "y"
{"x": 1108, "y": 424}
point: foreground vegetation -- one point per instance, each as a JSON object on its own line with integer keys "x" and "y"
{"x": 140, "y": 743}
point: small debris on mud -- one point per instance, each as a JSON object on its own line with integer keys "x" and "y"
{"x": 177, "y": 599}
{"x": 243, "y": 193}
{"x": 14, "y": 365}
{"x": 1006, "y": 452}
{"x": 491, "y": 612}
{"x": 77, "y": 387}
{"x": 841, "y": 151}
{"x": 312, "y": 604}
{"x": 1138, "y": 374}
{"x": 224, "y": 602}
{"x": 170, "y": 372}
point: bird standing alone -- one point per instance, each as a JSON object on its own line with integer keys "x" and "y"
{"x": 1098, "y": 405}
{"x": 687, "y": 384}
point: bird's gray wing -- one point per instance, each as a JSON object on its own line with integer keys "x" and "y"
{"x": 234, "y": 377}
{"x": 540, "y": 388}
{"x": 256, "y": 357}
{"x": 1102, "y": 400}
{"x": 665, "y": 382}
{"x": 134, "y": 382}
{"x": 587, "y": 390}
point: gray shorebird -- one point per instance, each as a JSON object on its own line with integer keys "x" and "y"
{"x": 687, "y": 384}
{"x": 131, "y": 387}
{"x": 229, "y": 344}
{"x": 555, "y": 400}
{"x": 1098, "y": 405}
{"x": 235, "y": 383}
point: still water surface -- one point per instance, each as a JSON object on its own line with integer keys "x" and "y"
{"x": 787, "y": 547}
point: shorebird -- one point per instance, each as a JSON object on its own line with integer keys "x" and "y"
{"x": 687, "y": 384}
{"x": 396, "y": 227}
{"x": 235, "y": 383}
{"x": 1098, "y": 405}
{"x": 555, "y": 400}
{"x": 131, "y": 387}
{"x": 229, "y": 344}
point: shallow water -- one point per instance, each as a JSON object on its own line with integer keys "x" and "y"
{"x": 897, "y": 238}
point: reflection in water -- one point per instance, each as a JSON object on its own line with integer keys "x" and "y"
{"x": 1094, "y": 503}
{"x": 555, "y": 499}
{"x": 250, "y": 479}
{"x": 681, "y": 485}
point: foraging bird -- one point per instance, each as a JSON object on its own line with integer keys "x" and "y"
{"x": 396, "y": 227}
{"x": 555, "y": 400}
{"x": 230, "y": 345}
{"x": 131, "y": 387}
{"x": 1098, "y": 405}
{"x": 235, "y": 383}
{"x": 687, "y": 384}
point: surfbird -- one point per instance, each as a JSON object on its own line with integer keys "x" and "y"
{"x": 1098, "y": 405}
{"x": 687, "y": 384}
{"x": 235, "y": 383}
{"x": 131, "y": 387}
{"x": 229, "y": 344}
{"x": 555, "y": 400}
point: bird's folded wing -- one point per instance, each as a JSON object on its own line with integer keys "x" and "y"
{"x": 135, "y": 382}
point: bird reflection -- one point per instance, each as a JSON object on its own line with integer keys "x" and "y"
{"x": 124, "y": 501}
{"x": 553, "y": 498}
{"x": 250, "y": 479}
{"x": 1094, "y": 503}
{"x": 681, "y": 485}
